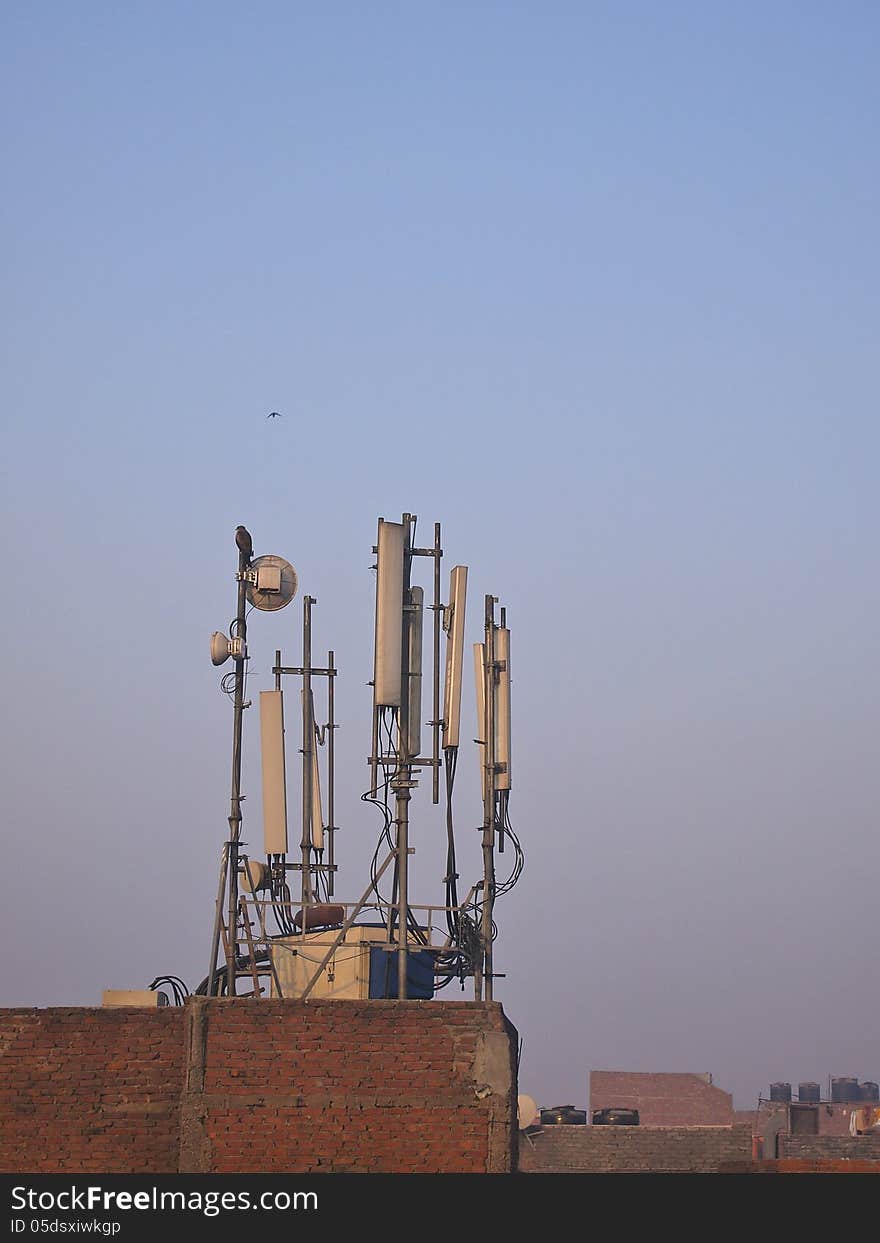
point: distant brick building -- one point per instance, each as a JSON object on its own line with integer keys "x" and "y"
{"x": 778, "y": 1121}
{"x": 665, "y": 1099}
{"x": 688, "y": 1125}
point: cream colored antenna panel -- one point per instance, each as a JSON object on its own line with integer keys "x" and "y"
{"x": 454, "y": 656}
{"x": 480, "y": 687}
{"x": 502, "y": 709}
{"x": 274, "y": 773}
{"x": 389, "y": 615}
{"x": 414, "y": 670}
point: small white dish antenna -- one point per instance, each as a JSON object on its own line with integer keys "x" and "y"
{"x": 527, "y": 1112}
{"x": 275, "y": 584}
{"x": 219, "y": 648}
{"x": 222, "y": 648}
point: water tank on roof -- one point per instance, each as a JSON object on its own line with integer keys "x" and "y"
{"x": 563, "y": 1115}
{"x": 615, "y": 1117}
{"x": 871, "y": 1091}
{"x": 780, "y": 1091}
{"x": 809, "y": 1093}
{"x": 845, "y": 1089}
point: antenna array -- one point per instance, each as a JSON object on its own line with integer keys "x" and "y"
{"x": 314, "y": 946}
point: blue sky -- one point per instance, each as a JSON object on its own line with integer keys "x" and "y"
{"x": 593, "y": 285}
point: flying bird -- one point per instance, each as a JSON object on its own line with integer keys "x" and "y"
{"x": 244, "y": 542}
{"x": 273, "y": 415}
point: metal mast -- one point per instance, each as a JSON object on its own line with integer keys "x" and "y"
{"x": 402, "y": 781}
{"x": 229, "y": 863}
{"x": 489, "y": 801}
{"x": 307, "y": 749}
{"x": 268, "y": 583}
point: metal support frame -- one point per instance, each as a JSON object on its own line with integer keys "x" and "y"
{"x": 308, "y": 746}
{"x": 398, "y": 765}
{"x": 228, "y": 890}
{"x": 402, "y": 782}
{"x": 337, "y": 935}
{"x": 401, "y": 762}
{"x": 310, "y": 732}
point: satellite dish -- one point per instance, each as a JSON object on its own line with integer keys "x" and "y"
{"x": 219, "y": 648}
{"x": 254, "y": 875}
{"x": 275, "y": 585}
{"x": 527, "y": 1112}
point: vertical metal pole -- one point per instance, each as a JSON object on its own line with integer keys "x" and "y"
{"x": 308, "y": 747}
{"x": 331, "y": 726}
{"x": 280, "y": 859}
{"x": 404, "y": 773}
{"x": 489, "y": 806}
{"x": 435, "y": 753}
{"x": 235, "y": 797}
{"x": 374, "y": 745}
{"x": 218, "y": 918}
{"x": 403, "y": 797}
{"x": 374, "y": 753}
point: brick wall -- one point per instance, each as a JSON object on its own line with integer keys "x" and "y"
{"x": 90, "y": 1090}
{"x": 830, "y": 1147}
{"x": 662, "y": 1099}
{"x": 633, "y": 1149}
{"x": 241, "y": 1086}
{"x": 792, "y": 1165}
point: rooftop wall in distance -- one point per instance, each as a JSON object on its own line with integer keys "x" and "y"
{"x": 634, "y": 1149}
{"x": 831, "y": 1147}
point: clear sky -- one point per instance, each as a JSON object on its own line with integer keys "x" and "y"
{"x": 594, "y": 285}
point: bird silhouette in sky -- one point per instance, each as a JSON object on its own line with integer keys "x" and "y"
{"x": 273, "y": 415}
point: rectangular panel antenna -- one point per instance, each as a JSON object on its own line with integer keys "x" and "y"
{"x": 389, "y": 615}
{"x": 502, "y": 709}
{"x": 317, "y": 813}
{"x": 274, "y": 772}
{"x": 480, "y": 687}
{"x": 415, "y": 615}
{"x": 454, "y": 656}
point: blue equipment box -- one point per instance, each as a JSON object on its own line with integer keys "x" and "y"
{"x": 419, "y": 974}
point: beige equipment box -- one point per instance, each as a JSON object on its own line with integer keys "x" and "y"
{"x": 346, "y": 976}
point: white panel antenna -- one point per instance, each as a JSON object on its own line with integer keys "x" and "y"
{"x": 480, "y": 687}
{"x": 454, "y": 624}
{"x": 389, "y": 615}
{"x": 502, "y": 709}
{"x": 274, "y": 772}
{"x": 415, "y": 615}
{"x": 317, "y": 815}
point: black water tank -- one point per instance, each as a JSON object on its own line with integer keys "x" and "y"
{"x": 563, "y": 1115}
{"x": 871, "y": 1091}
{"x": 615, "y": 1117}
{"x": 845, "y": 1089}
{"x": 780, "y": 1091}
{"x": 809, "y": 1093}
